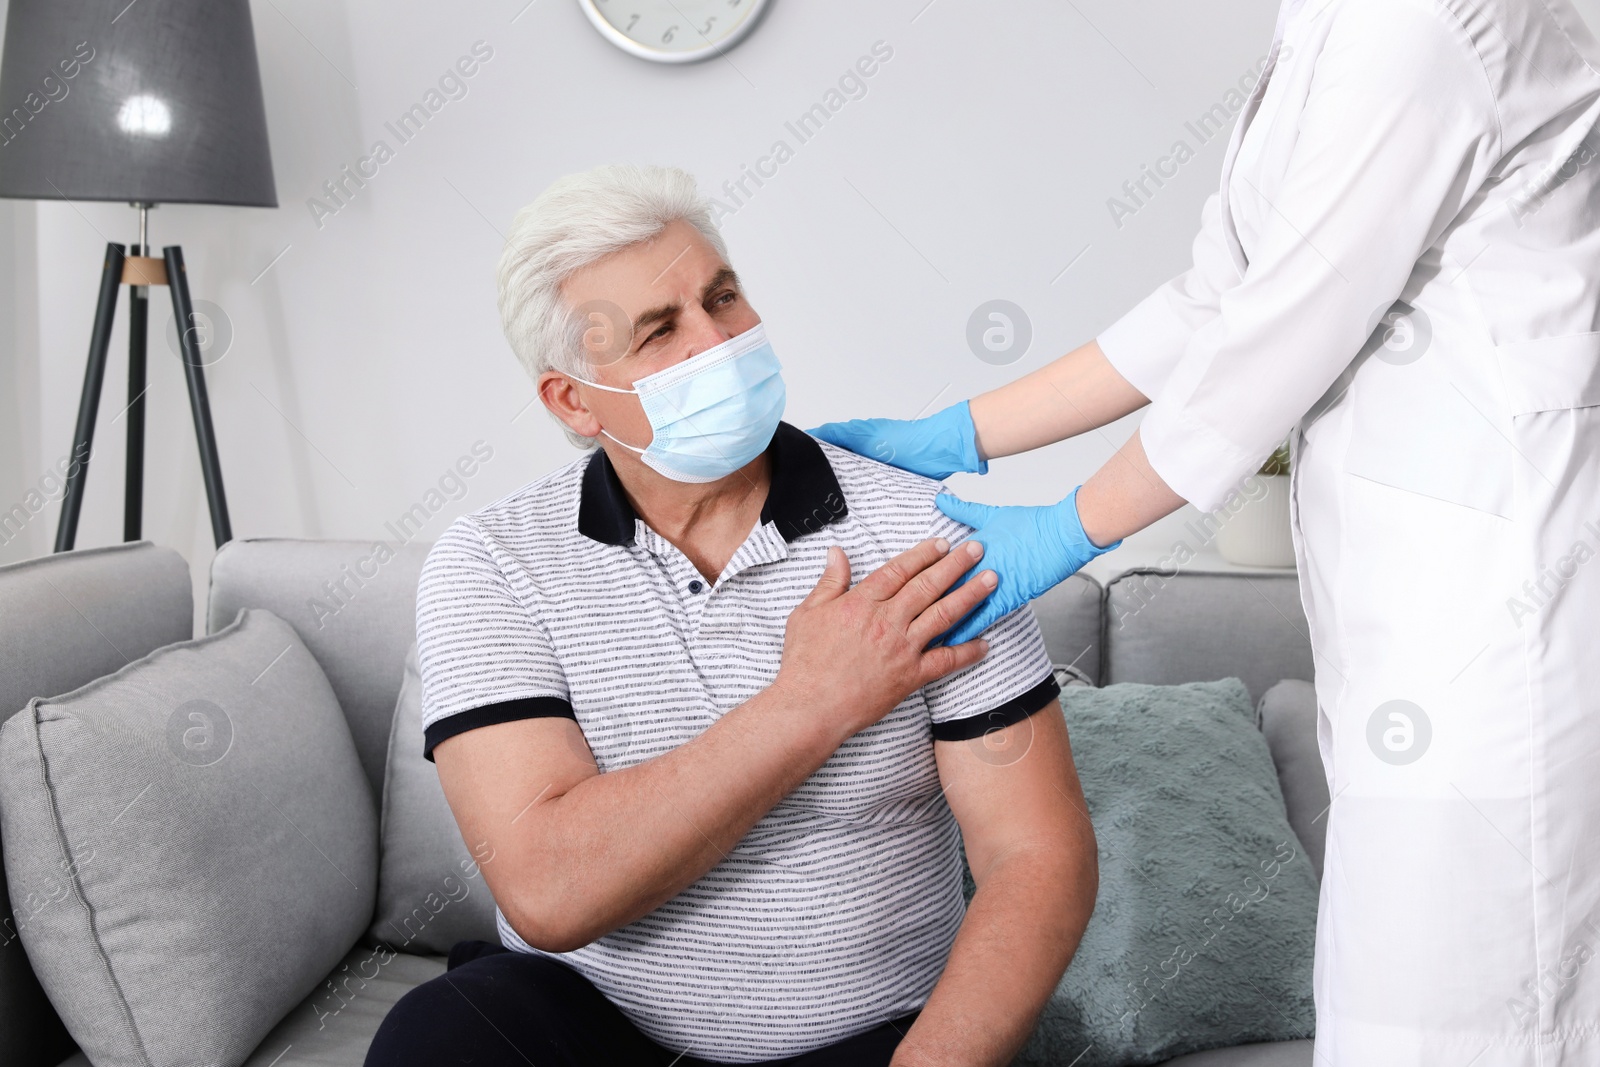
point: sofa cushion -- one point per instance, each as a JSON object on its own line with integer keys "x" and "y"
{"x": 191, "y": 845}
{"x": 334, "y": 1025}
{"x": 1069, "y": 619}
{"x": 66, "y": 619}
{"x": 1288, "y": 716}
{"x": 1202, "y": 932}
{"x": 1271, "y": 1054}
{"x": 353, "y": 603}
{"x": 431, "y": 892}
{"x": 1163, "y": 628}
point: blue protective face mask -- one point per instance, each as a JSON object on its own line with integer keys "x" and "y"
{"x": 712, "y": 413}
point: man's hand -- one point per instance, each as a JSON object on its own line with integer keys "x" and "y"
{"x": 859, "y": 652}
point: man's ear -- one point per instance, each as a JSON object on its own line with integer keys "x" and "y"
{"x": 559, "y": 393}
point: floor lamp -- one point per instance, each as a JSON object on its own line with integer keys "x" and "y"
{"x": 155, "y": 103}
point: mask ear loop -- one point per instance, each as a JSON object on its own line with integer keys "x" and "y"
{"x": 624, "y": 444}
{"x": 609, "y": 389}
{"x": 597, "y": 385}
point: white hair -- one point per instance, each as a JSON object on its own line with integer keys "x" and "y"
{"x": 578, "y": 220}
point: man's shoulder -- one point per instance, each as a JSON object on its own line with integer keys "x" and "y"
{"x": 541, "y": 510}
{"x": 896, "y": 506}
{"x": 869, "y": 484}
{"x": 540, "y": 504}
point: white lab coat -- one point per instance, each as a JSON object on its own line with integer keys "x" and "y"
{"x": 1446, "y": 495}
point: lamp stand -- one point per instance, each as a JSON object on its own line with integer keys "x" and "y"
{"x": 136, "y": 268}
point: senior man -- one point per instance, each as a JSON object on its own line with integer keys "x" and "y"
{"x": 725, "y": 791}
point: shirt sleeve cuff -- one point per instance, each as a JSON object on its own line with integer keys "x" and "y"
{"x": 493, "y": 714}
{"x": 1014, "y": 710}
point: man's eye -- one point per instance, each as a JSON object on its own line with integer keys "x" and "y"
{"x": 726, "y": 298}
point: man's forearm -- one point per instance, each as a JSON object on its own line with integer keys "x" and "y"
{"x": 1021, "y": 930}
{"x": 617, "y": 845}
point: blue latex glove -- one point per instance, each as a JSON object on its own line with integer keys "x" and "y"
{"x": 1031, "y": 549}
{"x": 938, "y": 446}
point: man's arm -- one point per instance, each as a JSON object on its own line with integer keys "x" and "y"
{"x": 577, "y": 854}
{"x": 1032, "y": 852}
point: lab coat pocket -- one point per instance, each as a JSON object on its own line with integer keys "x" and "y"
{"x": 1552, "y": 395}
{"x": 1551, "y": 373}
{"x": 1430, "y": 426}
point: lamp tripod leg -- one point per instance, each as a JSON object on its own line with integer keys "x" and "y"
{"x": 199, "y": 404}
{"x": 89, "y": 401}
{"x": 133, "y": 493}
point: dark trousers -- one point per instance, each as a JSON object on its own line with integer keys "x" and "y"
{"x": 494, "y": 1007}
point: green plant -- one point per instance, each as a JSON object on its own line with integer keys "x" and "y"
{"x": 1278, "y": 462}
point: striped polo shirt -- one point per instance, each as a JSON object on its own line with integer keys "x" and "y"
{"x": 837, "y": 910}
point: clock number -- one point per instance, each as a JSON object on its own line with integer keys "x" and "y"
{"x": 674, "y": 31}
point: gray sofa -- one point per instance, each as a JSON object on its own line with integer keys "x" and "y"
{"x": 68, "y": 619}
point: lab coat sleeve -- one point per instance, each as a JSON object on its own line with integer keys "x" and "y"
{"x": 1147, "y": 342}
{"x": 1398, "y": 131}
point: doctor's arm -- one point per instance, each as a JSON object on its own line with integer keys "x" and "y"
{"x": 1032, "y": 852}
{"x": 1398, "y": 131}
{"x": 1078, "y": 392}
{"x": 1092, "y": 386}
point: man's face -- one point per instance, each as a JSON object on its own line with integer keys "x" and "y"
{"x": 679, "y": 299}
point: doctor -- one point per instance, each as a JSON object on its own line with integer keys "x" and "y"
{"x": 1401, "y": 273}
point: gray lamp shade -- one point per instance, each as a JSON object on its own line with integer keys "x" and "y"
{"x": 155, "y": 100}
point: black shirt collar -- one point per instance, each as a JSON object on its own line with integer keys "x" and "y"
{"x": 804, "y": 495}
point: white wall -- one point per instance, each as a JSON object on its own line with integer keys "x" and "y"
{"x": 368, "y": 357}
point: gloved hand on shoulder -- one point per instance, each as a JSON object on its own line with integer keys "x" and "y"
{"x": 1031, "y": 549}
{"x": 937, "y": 446}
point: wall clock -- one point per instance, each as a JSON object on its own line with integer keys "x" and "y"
{"x": 674, "y": 31}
